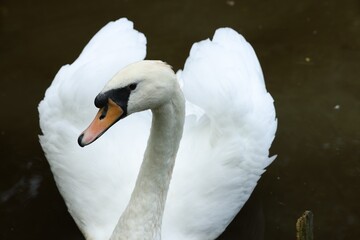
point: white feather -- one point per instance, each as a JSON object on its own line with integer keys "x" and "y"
{"x": 230, "y": 125}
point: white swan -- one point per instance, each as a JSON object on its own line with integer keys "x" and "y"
{"x": 229, "y": 127}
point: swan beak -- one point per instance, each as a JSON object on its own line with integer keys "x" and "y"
{"x": 104, "y": 119}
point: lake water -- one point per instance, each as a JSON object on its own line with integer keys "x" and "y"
{"x": 310, "y": 54}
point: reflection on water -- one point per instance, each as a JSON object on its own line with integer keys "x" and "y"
{"x": 25, "y": 189}
{"x": 310, "y": 55}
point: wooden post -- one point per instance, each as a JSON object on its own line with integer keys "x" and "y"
{"x": 304, "y": 226}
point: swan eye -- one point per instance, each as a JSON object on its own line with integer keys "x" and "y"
{"x": 132, "y": 86}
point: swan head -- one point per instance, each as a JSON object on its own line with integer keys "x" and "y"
{"x": 137, "y": 87}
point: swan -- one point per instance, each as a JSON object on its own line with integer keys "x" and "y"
{"x": 179, "y": 153}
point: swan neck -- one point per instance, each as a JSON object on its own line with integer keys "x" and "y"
{"x": 143, "y": 216}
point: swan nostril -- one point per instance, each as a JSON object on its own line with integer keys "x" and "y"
{"x": 104, "y": 112}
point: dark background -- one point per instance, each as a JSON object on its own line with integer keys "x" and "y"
{"x": 310, "y": 54}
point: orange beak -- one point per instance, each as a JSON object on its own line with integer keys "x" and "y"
{"x": 103, "y": 120}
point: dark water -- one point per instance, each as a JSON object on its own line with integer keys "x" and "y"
{"x": 310, "y": 54}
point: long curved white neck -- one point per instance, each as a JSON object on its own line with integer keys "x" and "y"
{"x": 143, "y": 216}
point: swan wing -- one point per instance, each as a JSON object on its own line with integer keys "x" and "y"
{"x": 94, "y": 181}
{"x": 230, "y": 125}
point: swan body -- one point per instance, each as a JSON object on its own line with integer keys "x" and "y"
{"x": 229, "y": 125}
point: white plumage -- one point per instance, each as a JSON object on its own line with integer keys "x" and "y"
{"x": 229, "y": 127}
